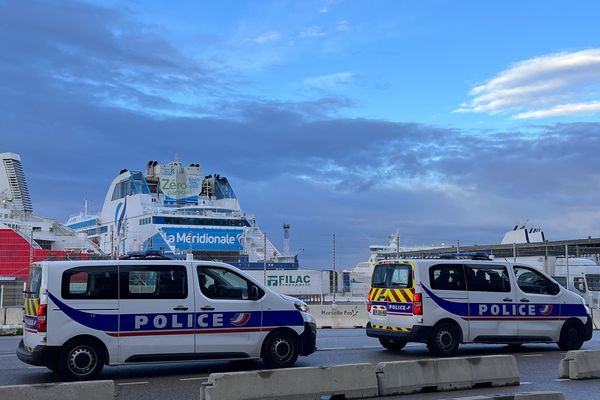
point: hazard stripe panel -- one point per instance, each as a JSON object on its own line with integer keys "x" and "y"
{"x": 391, "y": 328}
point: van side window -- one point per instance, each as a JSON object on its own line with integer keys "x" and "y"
{"x": 89, "y": 283}
{"x": 447, "y": 277}
{"x": 487, "y": 278}
{"x": 223, "y": 284}
{"x": 562, "y": 280}
{"x": 153, "y": 282}
{"x": 531, "y": 281}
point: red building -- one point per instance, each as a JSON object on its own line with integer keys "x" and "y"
{"x": 16, "y": 254}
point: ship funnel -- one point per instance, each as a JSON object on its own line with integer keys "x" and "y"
{"x": 286, "y": 239}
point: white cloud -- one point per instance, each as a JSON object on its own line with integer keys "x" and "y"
{"x": 266, "y": 37}
{"x": 591, "y": 107}
{"x": 553, "y": 85}
{"x": 312, "y": 31}
{"x": 331, "y": 81}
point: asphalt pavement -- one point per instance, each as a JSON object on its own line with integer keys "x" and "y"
{"x": 538, "y": 367}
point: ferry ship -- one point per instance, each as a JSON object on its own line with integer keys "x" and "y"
{"x": 177, "y": 210}
{"x": 26, "y": 237}
{"x": 358, "y": 279}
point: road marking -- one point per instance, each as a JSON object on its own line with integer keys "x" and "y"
{"x": 532, "y": 355}
{"x": 8, "y": 355}
{"x": 35, "y": 367}
{"x": 194, "y": 379}
{"x": 525, "y": 383}
{"x": 561, "y": 379}
{"x": 132, "y": 383}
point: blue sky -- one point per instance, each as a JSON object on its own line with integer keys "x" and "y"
{"x": 443, "y": 120}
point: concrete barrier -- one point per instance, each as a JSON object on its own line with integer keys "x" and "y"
{"x": 93, "y": 390}
{"x": 580, "y": 364}
{"x": 400, "y": 377}
{"x": 9, "y": 330}
{"x": 596, "y": 318}
{"x": 517, "y": 396}
{"x": 11, "y": 316}
{"x": 340, "y": 315}
{"x": 353, "y": 381}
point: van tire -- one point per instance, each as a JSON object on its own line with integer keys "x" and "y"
{"x": 81, "y": 359}
{"x": 281, "y": 350}
{"x": 571, "y": 336}
{"x": 393, "y": 344}
{"x": 444, "y": 339}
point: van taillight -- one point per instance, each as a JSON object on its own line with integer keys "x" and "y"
{"x": 368, "y": 306}
{"x": 418, "y": 304}
{"x": 42, "y": 318}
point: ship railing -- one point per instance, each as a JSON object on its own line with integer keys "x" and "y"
{"x": 210, "y": 213}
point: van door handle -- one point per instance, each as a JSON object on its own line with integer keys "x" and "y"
{"x": 507, "y": 299}
{"x": 525, "y": 300}
{"x": 180, "y": 308}
{"x": 207, "y": 308}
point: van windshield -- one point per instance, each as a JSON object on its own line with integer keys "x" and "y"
{"x": 396, "y": 276}
{"x": 34, "y": 282}
{"x": 593, "y": 282}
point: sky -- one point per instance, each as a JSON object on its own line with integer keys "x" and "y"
{"x": 441, "y": 120}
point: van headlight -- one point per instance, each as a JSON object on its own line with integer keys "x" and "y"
{"x": 301, "y": 306}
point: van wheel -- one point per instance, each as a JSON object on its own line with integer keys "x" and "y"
{"x": 80, "y": 360}
{"x": 571, "y": 336}
{"x": 444, "y": 340}
{"x": 393, "y": 344}
{"x": 280, "y": 350}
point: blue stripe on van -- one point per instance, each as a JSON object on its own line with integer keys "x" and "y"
{"x": 143, "y": 322}
{"x": 508, "y": 311}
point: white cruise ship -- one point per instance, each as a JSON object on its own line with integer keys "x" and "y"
{"x": 359, "y": 278}
{"x": 177, "y": 210}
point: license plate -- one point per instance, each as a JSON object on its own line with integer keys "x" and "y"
{"x": 380, "y": 311}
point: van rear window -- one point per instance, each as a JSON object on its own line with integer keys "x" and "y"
{"x": 92, "y": 282}
{"x": 398, "y": 276}
{"x": 34, "y": 282}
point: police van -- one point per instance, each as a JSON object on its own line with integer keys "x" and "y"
{"x": 445, "y": 302}
{"x": 82, "y": 315}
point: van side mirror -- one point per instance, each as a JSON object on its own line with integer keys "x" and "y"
{"x": 579, "y": 284}
{"x": 254, "y": 292}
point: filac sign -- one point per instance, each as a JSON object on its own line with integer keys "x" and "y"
{"x": 297, "y": 282}
{"x": 288, "y": 280}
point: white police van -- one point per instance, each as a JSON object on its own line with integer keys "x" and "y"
{"x": 81, "y": 315}
{"x": 444, "y": 302}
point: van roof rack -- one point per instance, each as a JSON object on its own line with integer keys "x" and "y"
{"x": 145, "y": 255}
{"x": 467, "y": 255}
